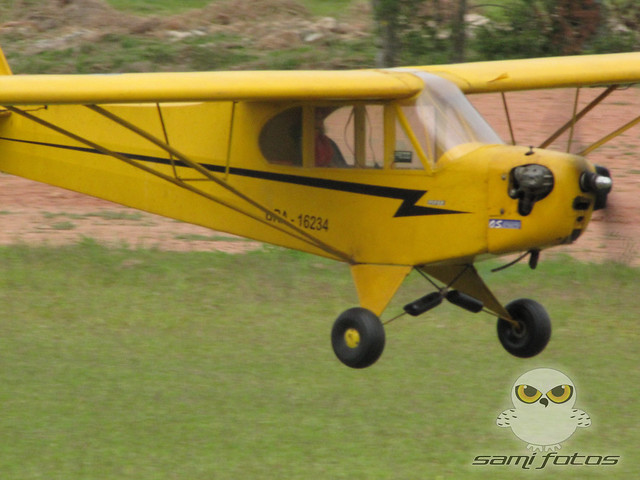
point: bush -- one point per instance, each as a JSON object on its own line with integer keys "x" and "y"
{"x": 540, "y": 28}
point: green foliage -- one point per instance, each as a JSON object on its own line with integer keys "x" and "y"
{"x": 421, "y": 31}
{"x": 609, "y": 41}
{"x": 413, "y": 31}
{"x": 621, "y": 30}
{"x": 539, "y": 28}
{"x": 524, "y": 28}
{"x": 519, "y": 36}
{"x": 424, "y": 46}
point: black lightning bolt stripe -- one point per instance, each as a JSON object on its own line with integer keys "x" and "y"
{"x": 409, "y": 197}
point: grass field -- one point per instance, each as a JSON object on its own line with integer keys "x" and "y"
{"x": 157, "y": 365}
{"x": 152, "y": 7}
{"x": 317, "y": 7}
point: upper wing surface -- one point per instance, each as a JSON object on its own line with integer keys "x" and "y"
{"x": 540, "y": 73}
{"x": 477, "y": 77}
{"x": 207, "y": 86}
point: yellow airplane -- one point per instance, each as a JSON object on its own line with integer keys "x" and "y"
{"x": 385, "y": 170}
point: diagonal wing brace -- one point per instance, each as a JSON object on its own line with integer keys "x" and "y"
{"x": 285, "y": 227}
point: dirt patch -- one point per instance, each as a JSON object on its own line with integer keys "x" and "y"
{"x": 39, "y": 214}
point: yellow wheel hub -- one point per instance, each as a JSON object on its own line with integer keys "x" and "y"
{"x": 352, "y": 338}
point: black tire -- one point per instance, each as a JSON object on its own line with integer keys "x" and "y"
{"x": 533, "y": 331}
{"x": 358, "y": 337}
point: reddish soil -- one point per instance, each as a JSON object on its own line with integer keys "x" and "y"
{"x": 34, "y": 213}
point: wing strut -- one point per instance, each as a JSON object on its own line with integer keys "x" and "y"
{"x": 506, "y": 112}
{"x": 576, "y": 117}
{"x": 574, "y": 120}
{"x": 609, "y": 137}
{"x": 289, "y": 229}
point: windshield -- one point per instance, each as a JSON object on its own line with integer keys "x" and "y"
{"x": 442, "y": 118}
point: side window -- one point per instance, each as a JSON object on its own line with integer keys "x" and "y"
{"x": 347, "y": 136}
{"x": 355, "y": 133}
{"x": 281, "y": 138}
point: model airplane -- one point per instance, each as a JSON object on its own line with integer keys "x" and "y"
{"x": 385, "y": 170}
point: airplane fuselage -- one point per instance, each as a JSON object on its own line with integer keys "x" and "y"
{"x": 392, "y": 211}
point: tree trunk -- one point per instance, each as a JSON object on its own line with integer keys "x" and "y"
{"x": 386, "y": 15}
{"x": 459, "y": 33}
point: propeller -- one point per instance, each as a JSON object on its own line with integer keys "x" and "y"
{"x": 598, "y": 182}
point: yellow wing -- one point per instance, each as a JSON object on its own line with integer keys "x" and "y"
{"x": 207, "y": 86}
{"x": 540, "y": 73}
{"x": 478, "y": 77}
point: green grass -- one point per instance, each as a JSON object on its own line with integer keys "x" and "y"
{"x": 194, "y": 237}
{"x": 333, "y": 8}
{"x": 165, "y": 7}
{"x": 157, "y": 6}
{"x": 317, "y": 7}
{"x": 63, "y": 226}
{"x": 115, "y": 215}
{"x": 160, "y": 365}
{"x": 117, "y": 52}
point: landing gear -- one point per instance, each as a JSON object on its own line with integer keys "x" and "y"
{"x": 358, "y": 337}
{"x": 532, "y": 332}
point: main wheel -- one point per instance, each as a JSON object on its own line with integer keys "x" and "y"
{"x": 358, "y": 337}
{"x": 532, "y": 333}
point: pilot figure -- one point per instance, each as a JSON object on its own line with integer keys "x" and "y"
{"x": 327, "y": 153}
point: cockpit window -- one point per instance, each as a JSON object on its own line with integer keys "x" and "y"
{"x": 357, "y": 132}
{"x": 409, "y": 135}
{"x": 340, "y": 136}
{"x": 281, "y": 138}
{"x": 442, "y": 118}
{"x": 329, "y": 128}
